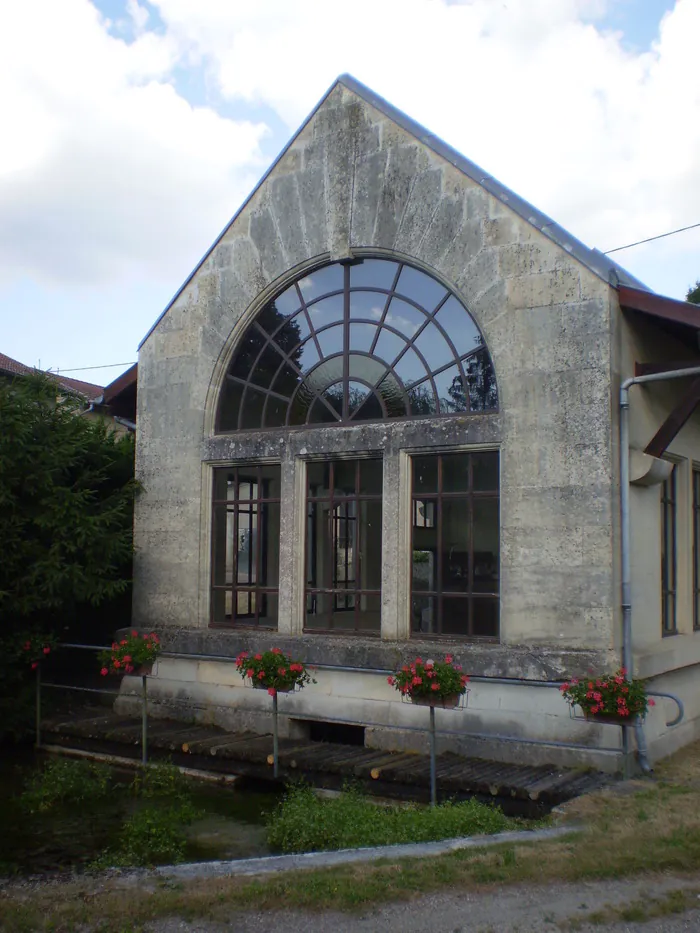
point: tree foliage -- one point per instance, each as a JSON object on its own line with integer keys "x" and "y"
{"x": 694, "y": 293}
{"x": 66, "y": 499}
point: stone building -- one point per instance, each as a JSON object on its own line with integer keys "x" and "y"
{"x": 381, "y": 420}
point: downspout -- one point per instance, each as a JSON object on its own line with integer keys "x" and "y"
{"x": 627, "y": 657}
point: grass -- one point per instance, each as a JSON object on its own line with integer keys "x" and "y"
{"x": 614, "y": 842}
{"x": 304, "y": 823}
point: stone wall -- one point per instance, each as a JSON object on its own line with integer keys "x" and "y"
{"x": 353, "y": 181}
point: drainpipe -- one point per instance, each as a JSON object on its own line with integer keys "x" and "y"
{"x": 627, "y": 659}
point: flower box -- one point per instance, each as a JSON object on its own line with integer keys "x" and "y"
{"x": 611, "y": 698}
{"x": 134, "y": 655}
{"x": 273, "y": 671}
{"x": 450, "y": 702}
{"x": 609, "y": 719}
{"x": 431, "y": 683}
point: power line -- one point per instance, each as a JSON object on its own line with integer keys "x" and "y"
{"x": 82, "y": 369}
{"x": 649, "y": 239}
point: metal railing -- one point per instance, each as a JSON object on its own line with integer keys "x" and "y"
{"x": 142, "y": 695}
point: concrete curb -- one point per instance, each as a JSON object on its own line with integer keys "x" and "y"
{"x": 281, "y": 863}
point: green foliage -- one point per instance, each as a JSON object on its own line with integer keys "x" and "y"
{"x": 130, "y": 653}
{"x": 304, "y": 823}
{"x": 162, "y": 780}
{"x": 66, "y": 498}
{"x": 64, "y": 781}
{"x": 694, "y": 293}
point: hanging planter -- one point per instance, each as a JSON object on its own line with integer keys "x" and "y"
{"x": 273, "y": 671}
{"x": 610, "y": 698}
{"x": 134, "y": 655}
{"x": 431, "y": 683}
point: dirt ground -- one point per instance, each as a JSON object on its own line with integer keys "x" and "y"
{"x": 584, "y": 907}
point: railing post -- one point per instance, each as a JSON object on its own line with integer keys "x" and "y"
{"x": 38, "y": 705}
{"x": 275, "y": 740}
{"x": 144, "y": 721}
{"x": 433, "y": 774}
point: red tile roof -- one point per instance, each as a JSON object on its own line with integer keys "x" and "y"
{"x": 88, "y": 390}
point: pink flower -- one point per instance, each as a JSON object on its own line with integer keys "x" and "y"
{"x": 277, "y": 651}
{"x": 390, "y": 681}
{"x": 282, "y": 671}
{"x": 134, "y": 633}
{"x": 104, "y": 672}
{"x": 47, "y": 650}
{"x": 127, "y": 658}
{"x": 116, "y": 663}
{"x": 258, "y": 657}
{"x": 651, "y": 702}
{"x": 250, "y": 673}
{"x": 271, "y": 691}
{"x": 35, "y": 664}
{"x": 261, "y": 675}
{"x": 129, "y": 668}
{"x": 416, "y": 681}
{"x": 435, "y": 686}
{"x": 448, "y": 659}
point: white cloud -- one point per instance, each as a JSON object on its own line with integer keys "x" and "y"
{"x": 535, "y": 91}
{"x": 105, "y": 171}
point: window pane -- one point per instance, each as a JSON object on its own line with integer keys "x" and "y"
{"x": 369, "y": 612}
{"x": 434, "y": 347}
{"x": 455, "y": 472}
{"x": 266, "y": 368}
{"x": 425, "y": 474}
{"x": 365, "y": 408}
{"x": 331, "y": 340}
{"x": 392, "y": 396}
{"x": 230, "y": 405}
{"x": 424, "y": 568}
{"x": 404, "y": 317}
{"x": 371, "y": 477}
{"x": 322, "y": 281}
{"x": 362, "y": 336}
{"x": 485, "y": 617}
{"x": 252, "y": 408}
{"x": 455, "y": 545}
{"x": 422, "y": 400}
{"x": 369, "y": 305}
{"x": 274, "y": 313}
{"x": 424, "y": 615}
{"x": 379, "y": 273}
{"x": 450, "y": 389}
{"x": 455, "y": 615}
{"x": 247, "y": 353}
{"x": 370, "y": 545}
{"x": 485, "y": 471}
{"x": 389, "y": 346}
{"x": 422, "y": 288}
{"x": 328, "y": 311}
{"x": 486, "y": 545}
{"x": 481, "y": 382}
{"x": 320, "y": 412}
{"x": 344, "y": 477}
{"x": 459, "y": 325}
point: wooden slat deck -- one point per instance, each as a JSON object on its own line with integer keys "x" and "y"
{"x": 524, "y": 789}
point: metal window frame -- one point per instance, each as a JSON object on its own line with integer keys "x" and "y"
{"x": 439, "y": 496}
{"x": 249, "y": 388}
{"x": 669, "y": 563}
{"x": 257, "y": 592}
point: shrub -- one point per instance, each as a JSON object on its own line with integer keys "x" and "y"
{"x": 64, "y": 781}
{"x": 162, "y": 780}
{"x": 302, "y": 822}
{"x": 151, "y": 836}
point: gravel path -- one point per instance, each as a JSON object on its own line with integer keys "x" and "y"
{"x": 546, "y": 909}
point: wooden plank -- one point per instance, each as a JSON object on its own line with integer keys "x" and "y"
{"x": 675, "y": 421}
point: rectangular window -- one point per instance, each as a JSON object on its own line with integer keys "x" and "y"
{"x": 455, "y": 545}
{"x": 696, "y": 549}
{"x": 668, "y": 555}
{"x": 344, "y": 546}
{"x": 245, "y": 552}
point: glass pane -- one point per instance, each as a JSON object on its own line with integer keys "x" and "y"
{"x": 370, "y": 545}
{"x": 485, "y": 617}
{"x": 319, "y": 611}
{"x": 379, "y": 273}
{"x": 322, "y": 281}
{"x": 459, "y": 324}
{"x": 252, "y": 408}
{"x": 410, "y": 369}
{"x": 274, "y": 313}
{"x": 344, "y": 477}
{"x": 364, "y": 404}
{"x": 326, "y": 374}
{"x": 326, "y": 312}
{"x": 404, "y": 317}
{"x": 420, "y": 287}
{"x": 269, "y": 608}
{"x": 455, "y": 472}
{"x": 266, "y": 368}
{"x": 300, "y": 404}
{"x": 392, "y": 396}
{"x": 362, "y": 336}
{"x": 369, "y": 612}
{"x": 455, "y": 546}
{"x": 371, "y": 477}
{"x": 368, "y": 305}
{"x": 424, "y": 615}
{"x": 424, "y": 568}
{"x": 366, "y": 368}
{"x": 317, "y": 476}
{"x": 455, "y": 615}
{"x": 331, "y": 340}
{"x": 425, "y": 474}
{"x": 481, "y": 382}
{"x": 485, "y": 471}
{"x": 276, "y": 412}
{"x": 292, "y": 334}
{"x": 434, "y": 347}
{"x": 247, "y": 353}
{"x": 389, "y": 346}
{"x": 229, "y": 405}
{"x": 286, "y": 381}
{"x": 223, "y": 484}
{"x": 320, "y": 414}
{"x": 222, "y": 557}
{"x": 450, "y": 389}
{"x": 422, "y": 400}
{"x": 486, "y": 533}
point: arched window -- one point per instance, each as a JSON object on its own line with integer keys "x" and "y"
{"x": 358, "y": 341}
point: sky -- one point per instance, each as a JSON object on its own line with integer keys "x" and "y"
{"x": 134, "y": 129}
